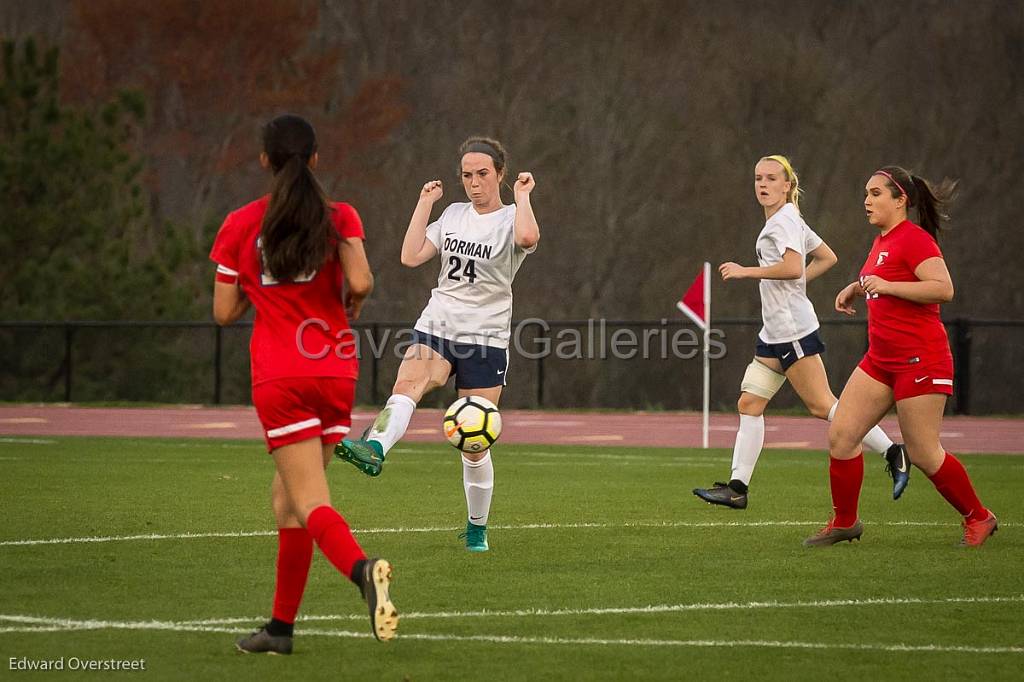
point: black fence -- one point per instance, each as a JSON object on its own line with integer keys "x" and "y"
{"x": 645, "y": 364}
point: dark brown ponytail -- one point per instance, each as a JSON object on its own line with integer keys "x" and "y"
{"x": 297, "y": 235}
{"x": 931, "y": 201}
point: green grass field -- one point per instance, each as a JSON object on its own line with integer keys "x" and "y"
{"x": 602, "y": 566}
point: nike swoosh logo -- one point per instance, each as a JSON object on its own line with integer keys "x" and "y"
{"x": 917, "y": 381}
{"x": 475, "y": 518}
{"x": 903, "y": 468}
{"x": 501, "y": 371}
{"x": 736, "y": 498}
{"x": 449, "y": 432}
{"x": 787, "y": 355}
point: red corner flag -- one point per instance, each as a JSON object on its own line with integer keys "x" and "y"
{"x": 696, "y": 303}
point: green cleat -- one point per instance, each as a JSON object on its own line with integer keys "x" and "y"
{"x": 476, "y": 537}
{"x": 365, "y": 455}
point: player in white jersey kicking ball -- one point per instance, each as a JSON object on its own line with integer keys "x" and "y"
{"x": 788, "y": 346}
{"x": 464, "y": 330}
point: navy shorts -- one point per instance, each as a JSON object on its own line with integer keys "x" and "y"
{"x": 473, "y": 366}
{"x": 791, "y": 351}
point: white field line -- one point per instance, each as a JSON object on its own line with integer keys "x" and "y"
{"x": 635, "y": 458}
{"x": 37, "y": 624}
{"x": 449, "y": 529}
{"x": 692, "y": 465}
{"x": 626, "y": 610}
{"x": 673, "y": 460}
{"x": 125, "y": 538}
{"x": 705, "y": 643}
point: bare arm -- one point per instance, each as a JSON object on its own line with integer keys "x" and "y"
{"x": 822, "y": 260}
{"x": 358, "y": 277}
{"x": 844, "y": 299}
{"x": 526, "y": 229}
{"x": 416, "y": 248}
{"x": 935, "y": 285}
{"x": 789, "y": 268}
{"x": 229, "y": 303}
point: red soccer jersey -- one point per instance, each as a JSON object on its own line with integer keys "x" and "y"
{"x": 902, "y": 333}
{"x": 300, "y": 328}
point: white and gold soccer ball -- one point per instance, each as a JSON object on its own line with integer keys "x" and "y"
{"x": 472, "y": 424}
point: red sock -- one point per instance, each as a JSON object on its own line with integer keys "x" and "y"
{"x": 294, "y": 554}
{"x": 953, "y": 483}
{"x": 334, "y": 539}
{"x": 846, "y": 477}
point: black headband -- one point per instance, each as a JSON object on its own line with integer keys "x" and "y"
{"x": 482, "y": 148}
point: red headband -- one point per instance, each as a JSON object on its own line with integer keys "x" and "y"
{"x": 898, "y": 185}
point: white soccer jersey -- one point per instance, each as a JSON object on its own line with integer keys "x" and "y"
{"x": 787, "y": 312}
{"x": 472, "y": 302}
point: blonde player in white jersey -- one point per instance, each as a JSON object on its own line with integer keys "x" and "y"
{"x": 464, "y": 330}
{"x": 788, "y": 346}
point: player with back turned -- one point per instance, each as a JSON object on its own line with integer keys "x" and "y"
{"x": 290, "y": 255}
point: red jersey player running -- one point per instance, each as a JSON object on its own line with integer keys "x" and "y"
{"x": 908, "y": 361}
{"x": 287, "y": 255}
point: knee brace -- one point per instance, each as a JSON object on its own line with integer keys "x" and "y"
{"x": 762, "y": 381}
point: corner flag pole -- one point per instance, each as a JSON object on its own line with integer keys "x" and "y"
{"x": 696, "y": 305}
{"x": 707, "y": 350}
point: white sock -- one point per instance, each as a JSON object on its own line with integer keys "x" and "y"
{"x": 749, "y": 441}
{"x": 390, "y": 425}
{"x": 875, "y": 441}
{"x": 478, "y": 480}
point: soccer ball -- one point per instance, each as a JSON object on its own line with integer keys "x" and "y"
{"x": 472, "y": 424}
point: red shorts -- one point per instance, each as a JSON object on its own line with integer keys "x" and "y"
{"x": 915, "y": 380}
{"x": 293, "y": 410}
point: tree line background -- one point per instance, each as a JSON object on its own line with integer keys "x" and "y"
{"x": 129, "y": 131}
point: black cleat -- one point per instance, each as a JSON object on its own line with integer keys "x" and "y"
{"x": 722, "y": 494}
{"x": 898, "y": 466}
{"x": 831, "y": 534}
{"x": 374, "y": 583}
{"x": 262, "y": 642}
